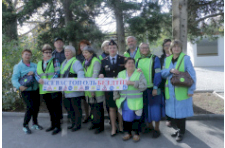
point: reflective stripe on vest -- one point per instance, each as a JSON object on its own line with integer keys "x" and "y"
{"x": 88, "y": 74}
{"x": 136, "y": 57}
{"x": 62, "y": 71}
{"x": 181, "y": 93}
{"x": 48, "y": 74}
{"x": 133, "y": 95}
{"x": 145, "y": 65}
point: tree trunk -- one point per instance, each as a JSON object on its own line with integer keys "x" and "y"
{"x": 68, "y": 15}
{"x": 119, "y": 27}
{"x": 179, "y": 23}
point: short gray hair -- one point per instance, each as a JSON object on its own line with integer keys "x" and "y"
{"x": 144, "y": 44}
{"x": 71, "y": 48}
{"x": 104, "y": 43}
{"x": 131, "y": 37}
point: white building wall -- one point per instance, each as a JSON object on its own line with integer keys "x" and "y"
{"x": 204, "y": 61}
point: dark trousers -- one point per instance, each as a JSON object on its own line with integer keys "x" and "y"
{"x": 61, "y": 111}
{"x": 180, "y": 124}
{"x": 32, "y": 101}
{"x": 73, "y": 106}
{"x": 131, "y": 126}
{"x": 53, "y": 103}
{"x": 97, "y": 110}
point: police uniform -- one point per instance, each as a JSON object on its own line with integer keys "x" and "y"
{"x": 111, "y": 71}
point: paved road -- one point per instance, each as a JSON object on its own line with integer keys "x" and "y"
{"x": 199, "y": 134}
{"x": 210, "y": 78}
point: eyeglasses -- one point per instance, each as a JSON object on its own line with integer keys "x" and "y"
{"x": 47, "y": 52}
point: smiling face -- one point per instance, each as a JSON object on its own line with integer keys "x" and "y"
{"x": 26, "y": 56}
{"x": 130, "y": 65}
{"x": 176, "y": 49}
{"x": 87, "y": 55}
{"x": 112, "y": 50}
{"x": 47, "y": 54}
{"x": 144, "y": 49}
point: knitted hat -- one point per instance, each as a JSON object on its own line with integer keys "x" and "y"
{"x": 89, "y": 49}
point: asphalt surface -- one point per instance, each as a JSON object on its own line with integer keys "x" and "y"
{"x": 210, "y": 78}
{"x": 199, "y": 134}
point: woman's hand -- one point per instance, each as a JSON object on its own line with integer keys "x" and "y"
{"x": 92, "y": 94}
{"x": 174, "y": 71}
{"x": 101, "y": 76}
{"x": 30, "y": 73}
{"x": 130, "y": 83}
{"x": 22, "y": 88}
{"x": 154, "y": 92}
{"x": 41, "y": 81}
{"x": 190, "y": 95}
{"x": 139, "y": 70}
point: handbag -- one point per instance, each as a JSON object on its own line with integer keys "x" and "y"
{"x": 27, "y": 80}
{"x": 182, "y": 79}
{"x": 68, "y": 74}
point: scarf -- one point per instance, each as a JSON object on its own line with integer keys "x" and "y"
{"x": 88, "y": 62}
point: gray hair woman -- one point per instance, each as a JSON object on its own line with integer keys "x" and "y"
{"x": 105, "y": 48}
{"x": 72, "y": 68}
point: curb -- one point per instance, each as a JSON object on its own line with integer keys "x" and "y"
{"x": 195, "y": 117}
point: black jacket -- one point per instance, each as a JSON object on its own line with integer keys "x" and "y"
{"x": 110, "y": 71}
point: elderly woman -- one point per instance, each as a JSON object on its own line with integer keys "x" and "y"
{"x": 72, "y": 68}
{"x": 166, "y": 53}
{"x": 80, "y": 57}
{"x": 49, "y": 68}
{"x": 105, "y": 48}
{"x": 30, "y": 94}
{"x": 92, "y": 67}
{"x": 153, "y": 100}
{"x": 178, "y": 99}
{"x": 130, "y": 101}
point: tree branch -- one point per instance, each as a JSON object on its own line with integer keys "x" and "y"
{"x": 37, "y": 22}
{"x": 212, "y": 15}
{"x": 28, "y": 31}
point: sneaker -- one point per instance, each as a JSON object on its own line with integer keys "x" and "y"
{"x": 26, "y": 129}
{"x": 37, "y": 127}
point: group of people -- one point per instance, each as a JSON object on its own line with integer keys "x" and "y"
{"x": 149, "y": 96}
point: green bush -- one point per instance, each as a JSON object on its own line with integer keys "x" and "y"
{"x": 11, "y": 55}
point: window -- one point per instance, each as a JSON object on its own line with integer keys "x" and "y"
{"x": 207, "y": 48}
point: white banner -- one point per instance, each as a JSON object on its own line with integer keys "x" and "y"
{"x": 84, "y": 84}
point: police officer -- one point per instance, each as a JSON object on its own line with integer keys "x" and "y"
{"x": 110, "y": 68}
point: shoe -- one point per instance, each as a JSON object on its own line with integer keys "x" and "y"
{"x": 174, "y": 134}
{"x": 114, "y": 134}
{"x": 56, "y": 131}
{"x": 179, "y": 137}
{"x": 98, "y": 130}
{"x": 26, "y": 129}
{"x": 70, "y": 127}
{"x": 156, "y": 134}
{"x": 121, "y": 132}
{"x": 136, "y": 138}
{"x": 76, "y": 129}
{"x": 92, "y": 127}
{"x": 50, "y": 129}
{"x": 148, "y": 130}
{"x": 87, "y": 120}
{"x": 127, "y": 137}
{"x": 37, "y": 127}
